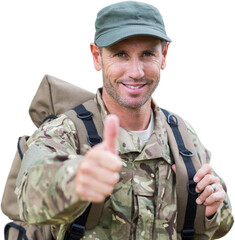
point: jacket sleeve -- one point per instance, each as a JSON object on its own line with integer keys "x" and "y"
{"x": 220, "y": 224}
{"x": 46, "y": 182}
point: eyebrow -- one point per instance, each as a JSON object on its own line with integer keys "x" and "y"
{"x": 115, "y": 48}
{"x": 151, "y": 49}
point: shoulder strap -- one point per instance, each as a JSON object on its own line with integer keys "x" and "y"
{"x": 187, "y": 163}
{"x": 86, "y": 123}
{"x": 89, "y": 124}
{"x": 86, "y": 116}
{"x": 22, "y": 232}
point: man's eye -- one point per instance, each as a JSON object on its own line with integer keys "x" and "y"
{"x": 148, "y": 54}
{"x": 120, "y": 54}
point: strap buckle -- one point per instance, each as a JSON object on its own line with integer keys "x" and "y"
{"x": 76, "y": 231}
{"x": 84, "y": 115}
{"x": 173, "y": 120}
{"x": 191, "y": 186}
{"x": 187, "y": 234}
{"x": 186, "y": 153}
{"x": 93, "y": 140}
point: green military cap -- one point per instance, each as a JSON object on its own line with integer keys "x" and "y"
{"x": 125, "y": 19}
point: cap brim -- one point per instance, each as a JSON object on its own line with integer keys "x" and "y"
{"x": 119, "y": 34}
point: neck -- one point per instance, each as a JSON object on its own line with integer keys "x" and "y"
{"x": 130, "y": 119}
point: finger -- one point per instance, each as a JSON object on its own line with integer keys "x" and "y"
{"x": 87, "y": 194}
{"x": 103, "y": 158}
{"x": 204, "y": 170}
{"x": 88, "y": 182}
{"x": 100, "y": 173}
{"x": 206, "y": 181}
{"x": 111, "y": 127}
{"x": 173, "y": 167}
{"x": 215, "y": 197}
{"x": 208, "y": 191}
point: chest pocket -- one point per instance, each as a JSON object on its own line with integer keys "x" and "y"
{"x": 144, "y": 178}
{"x": 155, "y": 199}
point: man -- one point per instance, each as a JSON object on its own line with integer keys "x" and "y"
{"x": 132, "y": 170}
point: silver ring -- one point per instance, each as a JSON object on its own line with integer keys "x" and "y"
{"x": 213, "y": 186}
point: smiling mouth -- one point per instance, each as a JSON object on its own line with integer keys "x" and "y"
{"x": 133, "y": 87}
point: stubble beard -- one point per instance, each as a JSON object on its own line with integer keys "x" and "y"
{"x": 114, "y": 94}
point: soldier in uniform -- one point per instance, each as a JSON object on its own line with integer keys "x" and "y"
{"x": 132, "y": 170}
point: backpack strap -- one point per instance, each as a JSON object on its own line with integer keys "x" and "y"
{"x": 86, "y": 122}
{"x": 86, "y": 116}
{"x": 22, "y": 231}
{"x": 188, "y": 210}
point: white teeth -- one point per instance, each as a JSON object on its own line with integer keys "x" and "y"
{"x": 134, "y": 87}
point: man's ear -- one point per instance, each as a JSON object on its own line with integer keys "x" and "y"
{"x": 164, "y": 53}
{"x": 95, "y": 51}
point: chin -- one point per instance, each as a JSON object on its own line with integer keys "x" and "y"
{"x": 133, "y": 104}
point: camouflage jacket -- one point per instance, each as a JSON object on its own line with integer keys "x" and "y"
{"x": 143, "y": 204}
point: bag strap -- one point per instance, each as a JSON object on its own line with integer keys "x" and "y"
{"x": 22, "y": 231}
{"x": 88, "y": 124}
{"x": 86, "y": 116}
{"x": 83, "y": 118}
{"x": 188, "y": 228}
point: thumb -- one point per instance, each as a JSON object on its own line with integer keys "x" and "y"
{"x": 111, "y": 127}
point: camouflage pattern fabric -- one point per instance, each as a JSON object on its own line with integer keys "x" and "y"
{"x": 143, "y": 205}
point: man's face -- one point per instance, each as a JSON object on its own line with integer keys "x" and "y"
{"x": 131, "y": 70}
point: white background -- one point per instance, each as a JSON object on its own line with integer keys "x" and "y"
{"x": 53, "y": 36}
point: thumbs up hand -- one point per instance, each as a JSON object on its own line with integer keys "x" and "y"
{"x": 99, "y": 171}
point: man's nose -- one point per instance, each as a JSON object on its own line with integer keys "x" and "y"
{"x": 135, "y": 68}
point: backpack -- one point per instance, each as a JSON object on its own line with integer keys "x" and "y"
{"x": 52, "y": 98}
{"x": 55, "y": 97}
